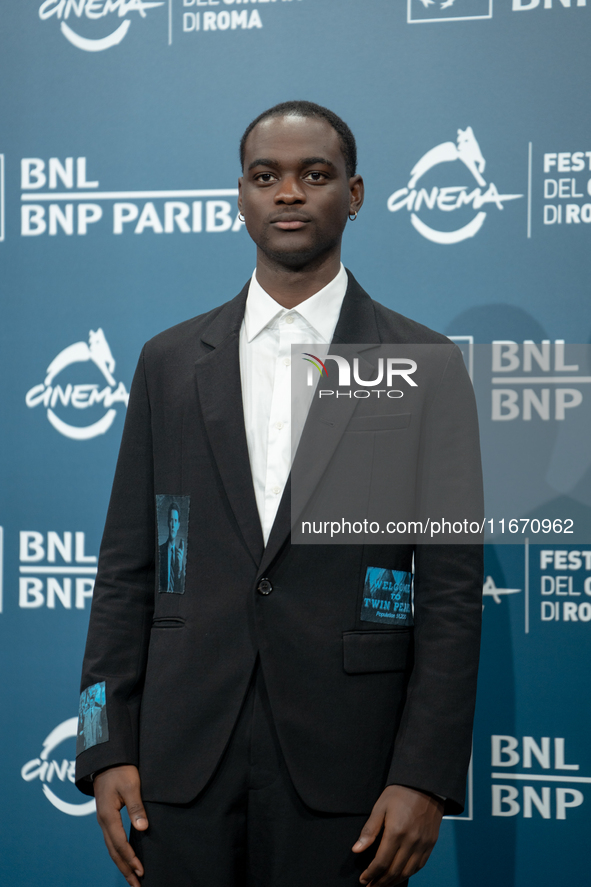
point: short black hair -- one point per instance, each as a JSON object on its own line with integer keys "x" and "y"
{"x": 309, "y": 109}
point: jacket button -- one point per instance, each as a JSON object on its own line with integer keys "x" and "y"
{"x": 264, "y": 587}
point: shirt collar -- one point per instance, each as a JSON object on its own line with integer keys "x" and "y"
{"x": 321, "y": 311}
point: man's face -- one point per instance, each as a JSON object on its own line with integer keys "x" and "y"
{"x": 295, "y": 192}
{"x": 173, "y": 524}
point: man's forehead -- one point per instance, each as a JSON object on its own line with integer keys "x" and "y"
{"x": 294, "y": 136}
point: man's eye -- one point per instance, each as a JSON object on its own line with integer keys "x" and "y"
{"x": 265, "y": 177}
{"x": 315, "y": 176}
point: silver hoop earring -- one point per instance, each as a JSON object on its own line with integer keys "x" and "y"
{"x": 354, "y": 216}
{"x": 241, "y": 217}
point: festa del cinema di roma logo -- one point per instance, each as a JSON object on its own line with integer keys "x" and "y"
{"x": 55, "y": 774}
{"x": 95, "y": 9}
{"x": 94, "y": 17}
{"x": 450, "y": 198}
{"x": 80, "y": 396}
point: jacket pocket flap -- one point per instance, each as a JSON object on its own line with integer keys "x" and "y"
{"x": 379, "y": 423}
{"x": 369, "y": 651}
{"x": 168, "y": 622}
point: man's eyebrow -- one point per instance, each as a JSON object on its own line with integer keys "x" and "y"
{"x": 307, "y": 161}
{"x": 312, "y": 161}
{"x": 263, "y": 161}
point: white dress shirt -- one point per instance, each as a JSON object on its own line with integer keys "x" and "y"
{"x": 268, "y": 331}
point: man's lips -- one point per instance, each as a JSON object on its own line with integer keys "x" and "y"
{"x": 290, "y": 222}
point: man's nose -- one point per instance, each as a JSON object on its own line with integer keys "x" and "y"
{"x": 290, "y": 191}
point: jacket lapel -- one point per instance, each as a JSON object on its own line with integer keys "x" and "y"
{"x": 220, "y": 394}
{"x": 326, "y": 420}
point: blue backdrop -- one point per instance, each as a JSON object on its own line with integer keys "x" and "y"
{"x": 119, "y": 127}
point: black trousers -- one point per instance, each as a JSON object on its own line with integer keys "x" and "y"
{"x": 248, "y": 827}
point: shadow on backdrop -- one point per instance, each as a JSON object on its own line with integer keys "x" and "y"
{"x": 487, "y": 848}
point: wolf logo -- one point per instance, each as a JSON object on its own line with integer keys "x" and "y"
{"x": 80, "y": 396}
{"x": 100, "y": 353}
{"x": 467, "y": 150}
{"x": 97, "y": 350}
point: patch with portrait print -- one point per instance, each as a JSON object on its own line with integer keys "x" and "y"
{"x": 93, "y": 727}
{"x": 387, "y": 597}
{"x": 172, "y": 515}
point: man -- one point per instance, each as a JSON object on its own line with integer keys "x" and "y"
{"x": 171, "y": 555}
{"x": 282, "y": 739}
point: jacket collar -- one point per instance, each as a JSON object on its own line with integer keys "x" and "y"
{"x": 227, "y": 321}
{"x": 220, "y": 394}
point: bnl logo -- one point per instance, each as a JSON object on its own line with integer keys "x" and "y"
{"x": 550, "y": 795}
{"x": 447, "y": 10}
{"x": 55, "y": 568}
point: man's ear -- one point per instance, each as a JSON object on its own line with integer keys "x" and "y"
{"x": 240, "y": 194}
{"x": 357, "y": 189}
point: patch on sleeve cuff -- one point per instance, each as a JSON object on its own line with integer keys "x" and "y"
{"x": 93, "y": 726}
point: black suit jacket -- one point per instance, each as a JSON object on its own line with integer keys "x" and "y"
{"x": 357, "y": 705}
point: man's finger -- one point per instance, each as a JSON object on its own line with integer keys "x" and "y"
{"x": 131, "y": 870}
{"x": 118, "y": 845}
{"x": 389, "y": 858}
{"x": 115, "y": 788}
{"x": 370, "y": 830}
{"x": 120, "y": 849}
{"x": 130, "y": 795}
{"x": 137, "y": 813}
{"x": 407, "y": 862}
{"x": 413, "y": 864}
{"x": 126, "y": 854}
{"x": 397, "y": 872}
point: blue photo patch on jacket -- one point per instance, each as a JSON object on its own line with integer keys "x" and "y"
{"x": 387, "y": 597}
{"x": 172, "y": 514}
{"x": 93, "y": 727}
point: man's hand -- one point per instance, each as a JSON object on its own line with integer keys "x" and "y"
{"x": 410, "y": 821}
{"x": 115, "y": 788}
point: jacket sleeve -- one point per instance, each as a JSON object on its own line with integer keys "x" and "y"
{"x": 433, "y": 745}
{"x": 123, "y": 604}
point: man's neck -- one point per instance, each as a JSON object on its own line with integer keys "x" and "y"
{"x": 289, "y": 286}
